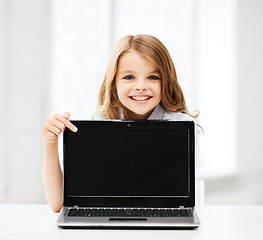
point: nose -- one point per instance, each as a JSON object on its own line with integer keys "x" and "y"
{"x": 140, "y": 85}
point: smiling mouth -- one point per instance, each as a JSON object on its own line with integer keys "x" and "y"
{"x": 140, "y": 98}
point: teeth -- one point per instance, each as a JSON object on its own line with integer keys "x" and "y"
{"x": 140, "y": 98}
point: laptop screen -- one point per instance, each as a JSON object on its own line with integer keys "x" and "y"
{"x": 127, "y": 159}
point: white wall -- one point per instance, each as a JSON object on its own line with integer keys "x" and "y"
{"x": 250, "y": 46}
{"x": 246, "y": 187}
{"x": 78, "y": 43}
{"x": 215, "y": 85}
{"x": 24, "y": 51}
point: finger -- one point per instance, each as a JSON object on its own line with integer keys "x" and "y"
{"x": 56, "y": 123}
{"x": 51, "y": 135}
{"x": 50, "y": 128}
{"x": 67, "y": 123}
{"x": 66, "y": 115}
{"x": 54, "y": 129}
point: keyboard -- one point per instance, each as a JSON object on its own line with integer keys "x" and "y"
{"x": 128, "y": 212}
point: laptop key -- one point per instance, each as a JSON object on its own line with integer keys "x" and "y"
{"x": 128, "y": 212}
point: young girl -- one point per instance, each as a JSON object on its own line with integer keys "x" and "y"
{"x": 140, "y": 83}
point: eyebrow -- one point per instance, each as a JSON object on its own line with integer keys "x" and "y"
{"x": 152, "y": 72}
{"x": 124, "y": 72}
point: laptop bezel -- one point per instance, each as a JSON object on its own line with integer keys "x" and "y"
{"x": 133, "y": 202}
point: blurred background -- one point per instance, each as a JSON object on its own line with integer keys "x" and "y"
{"x": 53, "y": 56}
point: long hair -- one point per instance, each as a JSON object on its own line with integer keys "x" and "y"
{"x": 155, "y": 52}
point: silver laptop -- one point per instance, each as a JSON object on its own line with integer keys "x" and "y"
{"x": 129, "y": 174}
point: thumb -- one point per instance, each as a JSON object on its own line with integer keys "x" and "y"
{"x": 66, "y": 115}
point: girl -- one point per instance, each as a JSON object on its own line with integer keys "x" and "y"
{"x": 140, "y": 83}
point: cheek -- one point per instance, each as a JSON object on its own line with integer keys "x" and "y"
{"x": 158, "y": 88}
{"x": 118, "y": 87}
{"x": 120, "y": 90}
{"x": 122, "y": 87}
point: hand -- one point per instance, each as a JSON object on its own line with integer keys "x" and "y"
{"x": 55, "y": 125}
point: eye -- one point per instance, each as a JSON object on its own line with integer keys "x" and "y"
{"x": 129, "y": 77}
{"x": 152, "y": 77}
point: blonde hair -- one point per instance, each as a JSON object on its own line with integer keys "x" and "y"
{"x": 156, "y": 53}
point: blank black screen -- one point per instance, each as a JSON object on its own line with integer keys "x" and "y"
{"x": 127, "y": 162}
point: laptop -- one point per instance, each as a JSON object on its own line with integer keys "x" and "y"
{"x": 129, "y": 174}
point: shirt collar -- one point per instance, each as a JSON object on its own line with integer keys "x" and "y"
{"x": 157, "y": 114}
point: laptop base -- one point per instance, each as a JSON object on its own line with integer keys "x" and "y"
{"x": 165, "y": 223}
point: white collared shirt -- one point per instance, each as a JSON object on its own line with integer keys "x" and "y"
{"x": 159, "y": 113}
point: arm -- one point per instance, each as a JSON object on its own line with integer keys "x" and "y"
{"x": 52, "y": 171}
{"x": 52, "y": 176}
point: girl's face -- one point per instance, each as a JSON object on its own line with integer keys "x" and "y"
{"x": 138, "y": 86}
